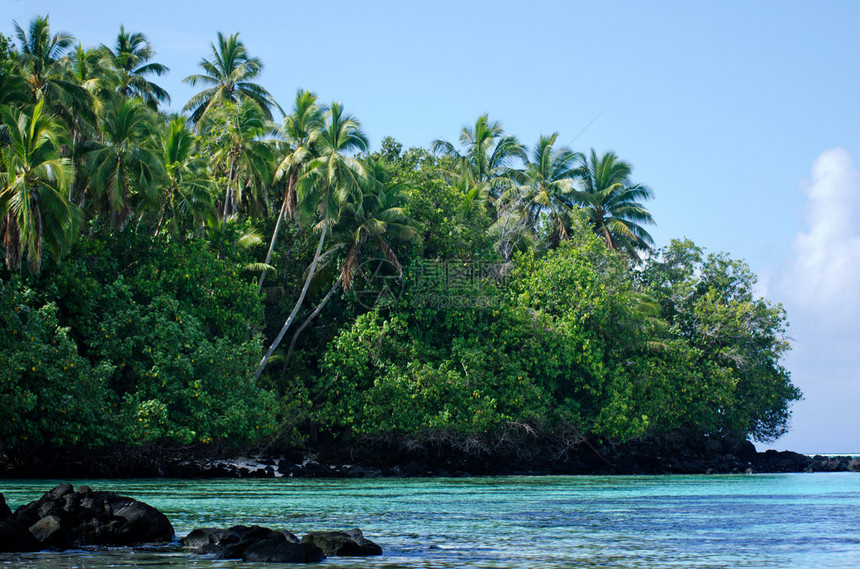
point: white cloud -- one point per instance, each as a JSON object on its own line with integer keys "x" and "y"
{"x": 819, "y": 283}
{"x": 823, "y": 271}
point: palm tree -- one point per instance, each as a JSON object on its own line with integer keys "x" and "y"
{"x": 229, "y": 73}
{"x": 130, "y": 60}
{"x": 375, "y": 219}
{"x": 511, "y": 231}
{"x": 331, "y": 178}
{"x": 488, "y": 154}
{"x": 185, "y": 195}
{"x": 33, "y": 183}
{"x": 301, "y": 129}
{"x": 610, "y": 202}
{"x": 42, "y": 60}
{"x": 545, "y": 192}
{"x": 234, "y": 134}
{"x": 86, "y": 70}
{"x": 127, "y": 164}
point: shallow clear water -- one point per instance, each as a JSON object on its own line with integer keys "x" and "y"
{"x": 789, "y": 520}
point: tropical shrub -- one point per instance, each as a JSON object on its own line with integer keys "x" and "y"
{"x": 49, "y": 393}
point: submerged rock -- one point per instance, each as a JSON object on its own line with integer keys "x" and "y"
{"x": 234, "y": 542}
{"x": 63, "y": 518}
{"x": 280, "y": 550}
{"x": 16, "y": 538}
{"x": 261, "y": 544}
{"x": 350, "y": 543}
{"x": 210, "y": 536}
{"x": 5, "y": 512}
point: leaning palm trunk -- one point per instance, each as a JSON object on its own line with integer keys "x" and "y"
{"x": 272, "y": 246}
{"x": 292, "y": 315}
{"x": 289, "y": 207}
{"x": 312, "y": 315}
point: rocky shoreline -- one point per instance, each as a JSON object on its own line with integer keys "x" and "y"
{"x": 65, "y": 518}
{"x": 710, "y": 457}
{"x": 261, "y": 467}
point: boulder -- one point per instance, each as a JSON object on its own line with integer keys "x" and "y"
{"x": 854, "y": 465}
{"x": 49, "y": 532}
{"x": 63, "y": 518}
{"x": 15, "y": 538}
{"x": 144, "y": 524}
{"x": 5, "y": 511}
{"x": 231, "y": 551}
{"x": 258, "y": 533}
{"x": 265, "y": 545}
{"x": 821, "y": 463}
{"x": 233, "y": 542}
{"x": 276, "y": 550}
{"x": 784, "y": 461}
{"x": 350, "y": 543}
{"x": 214, "y": 536}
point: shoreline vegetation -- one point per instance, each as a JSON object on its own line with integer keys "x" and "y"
{"x": 245, "y": 279}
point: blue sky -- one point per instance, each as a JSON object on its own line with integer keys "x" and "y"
{"x": 742, "y": 116}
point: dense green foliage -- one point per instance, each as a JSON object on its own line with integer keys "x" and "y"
{"x": 459, "y": 290}
{"x": 156, "y": 345}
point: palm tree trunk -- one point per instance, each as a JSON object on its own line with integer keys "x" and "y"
{"x": 160, "y": 223}
{"x": 312, "y": 315}
{"x": 37, "y": 219}
{"x": 291, "y": 199}
{"x": 227, "y": 195}
{"x": 607, "y": 238}
{"x": 272, "y": 244}
{"x": 226, "y": 205}
{"x": 292, "y": 315}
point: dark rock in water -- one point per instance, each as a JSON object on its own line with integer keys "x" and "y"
{"x": 260, "y": 544}
{"x": 210, "y": 536}
{"x": 143, "y": 522}
{"x": 821, "y": 463}
{"x": 197, "y": 538}
{"x": 343, "y": 544}
{"x": 232, "y": 551}
{"x": 239, "y": 530}
{"x": 49, "y": 533}
{"x": 248, "y": 536}
{"x": 58, "y": 492}
{"x": 5, "y": 511}
{"x": 258, "y": 532}
{"x": 784, "y": 461}
{"x": 15, "y": 538}
{"x": 282, "y": 551}
{"x": 64, "y": 518}
{"x": 207, "y": 548}
{"x": 854, "y": 465}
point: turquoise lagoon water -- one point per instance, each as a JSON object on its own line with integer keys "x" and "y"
{"x": 789, "y": 520}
